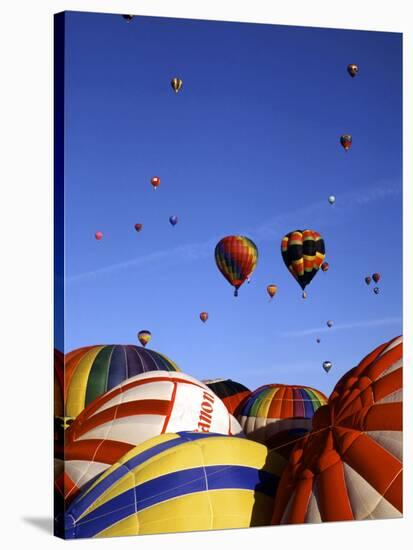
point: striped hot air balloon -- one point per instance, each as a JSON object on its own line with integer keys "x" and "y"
{"x": 236, "y": 258}
{"x": 232, "y": 393}
{"x": 303, "y": 252}
{"x": 350, "y": 466}
{"x": 92, "y": 371}
{"x": 279, "y": 414}
{"x": 140, "y": 408}
{"x": 178, "y": 482}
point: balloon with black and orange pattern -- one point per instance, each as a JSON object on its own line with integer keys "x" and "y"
{"x": 346, "y": 141}
{"x": 350, "y": 466}
{"x": 236, "y": 258}
{"x": 303, "y": 252}
{"x": 272, "y": 290}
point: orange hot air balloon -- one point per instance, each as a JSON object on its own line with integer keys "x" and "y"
{"x": 272, "y": 290}
{"x": 203, "y": 316}
{"x": 155, "y": 182}
{"x": 98, "y": 235}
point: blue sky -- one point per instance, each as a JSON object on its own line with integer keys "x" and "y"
{"x": 249, "y": 146}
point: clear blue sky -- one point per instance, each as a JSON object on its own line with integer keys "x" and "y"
{"x": 249, "y": 146}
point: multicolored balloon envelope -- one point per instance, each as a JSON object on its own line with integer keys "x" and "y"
{"x": 92, "y": 371}
{"x": 278, "y": 414}
{"x": 346, "y": 141}
{"x": 350, "y": 466}
{"x": 178, "y": 482}
{"x": 236, "y": 258}
{"x": 141, "y": 407}
{"x": 144, "y": 337}
{"x": 232, "y": 393}
{"x": 303, "y": 252}
{"x": 176, "y": 84}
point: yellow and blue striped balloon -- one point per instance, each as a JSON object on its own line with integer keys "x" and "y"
{"x": 187, "y": 481}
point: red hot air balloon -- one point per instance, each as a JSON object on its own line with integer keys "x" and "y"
{"x": 138, "y": 227}
{"x": 236, "y": 258}
{"x": 376, "y": 277}
{"x": 98, "y": 235}
{"x": 346, "y": 141}
{"x": 155, "y": 182}
{"x": 203, "y": 316}
{"x": 325, "y": 266}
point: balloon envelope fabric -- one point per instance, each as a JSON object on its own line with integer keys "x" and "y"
{"x": 93, "y": 370}
{"x": 350, "y": 465}
{"x": 179, "y": 482}
{"x": 279, "y": 414}
{"x": 232, "y": 393}
{"x": 140, "y": 408}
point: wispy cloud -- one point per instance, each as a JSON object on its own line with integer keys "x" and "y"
{"x": 343, "y": 326}
{"x": 261, "y": 233}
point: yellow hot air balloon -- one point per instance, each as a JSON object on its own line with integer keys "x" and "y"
{"x": 144, "y": 337}
{"x": 176, "y": 84}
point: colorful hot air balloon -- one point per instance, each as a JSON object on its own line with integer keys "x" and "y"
{"x": 303, "y": 252}
{"x": 138, "y": 227}
{"x": 236, "y": 258}
{"x": 350, "y": 466}
{"x": 155, "y": 182}
{"x": 346, "y": 141}
{"x": 98, "y": 235}
{"x": 376, "y": 277}
{"x": 331, "y": 199}
{"x": 92, "y": 371}
{"x": 330, "y": 323}
{"x": 139, "y": 408}
{"x": 352, "y": 69}
{"x": 367, "y": 280}
{"x": 272, "y": 290}
{"x": 279, "y": 414}
{"x": 173, "y": 220}
{"x": 325, "y": 266}
{"x": 144, "y": 337}
{"x": 203, "y": 316}
{"x": 232, "y": 393}
{"x": 376, "y": 290}
{"x": 176, "y": 84}
{"x": 128, "y": 17}
{"x": 327, "y": 365}
{"x": 178, "y": 482}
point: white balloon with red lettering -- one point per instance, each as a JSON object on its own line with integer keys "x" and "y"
{"x": 136, "y": 410}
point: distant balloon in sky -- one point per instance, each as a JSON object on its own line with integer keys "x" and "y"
{"x": 367, "y": 280}
{"x": 331, "y": 199}
{"x": 203, "y": 316}
{"x": 376, "y": 290}
{"x": 327, "y": 365}
{"x": 376, "y": 277}
{"x": 155, "y": 181}
{"x": 173, "y": 220}
{"x": 304, "y": 295}
{"x": 329, "y": 324}
{"x": 128, "y": 17}
{"x": 98, "y": 235}
{"x": 138, "y": 227}
{"x": 318, "y": 340}
{"x": 346, "y": 141}
{"x": 236, "y": 258}
{"x": 144, "y": 337}
{"x": 325, "y": 266}
{"x": 272, "y": 290}
{"x": 176, "y": 84}
{"x": 352, "y": 69}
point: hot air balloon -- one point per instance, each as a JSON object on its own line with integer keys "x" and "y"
{"x": 304, "y": 295}
{"x": 139, "y": 408}
{"x": 350, "y": 466}
{"x": 279, "y": 414}
{"x": 236, "y": 258}
{"x": 176, "y": 84}
{"x": 177, "y": 482}
{"x": 367, "y": 280}
{"x": 173, "y": 220}
{"x": 138, "y": 227}
{"x": 94, "y": 370}
{"x": 144, "y": 337}
{"x": 331, "y": 199}
{"x": 303, "y": 252}
{"x": 352, "y": 69}
{"x": 376, "y": 277}
{"x": 128, "y": 17}
{"x": 325, "y": 266}
{"x": 98, "y": 235}
{"x": 327, "y": 365}
{"x": 346, "y": 141}
{"x": 329, "y": 324}
{"x": 203, "y": 316}
{"x": 376, "y": 290}
{"x": 155, "y": 182}
{"x": 272, "y": 290}
{"x": 318, "y": 340}
{"x": 232, "y": 393}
